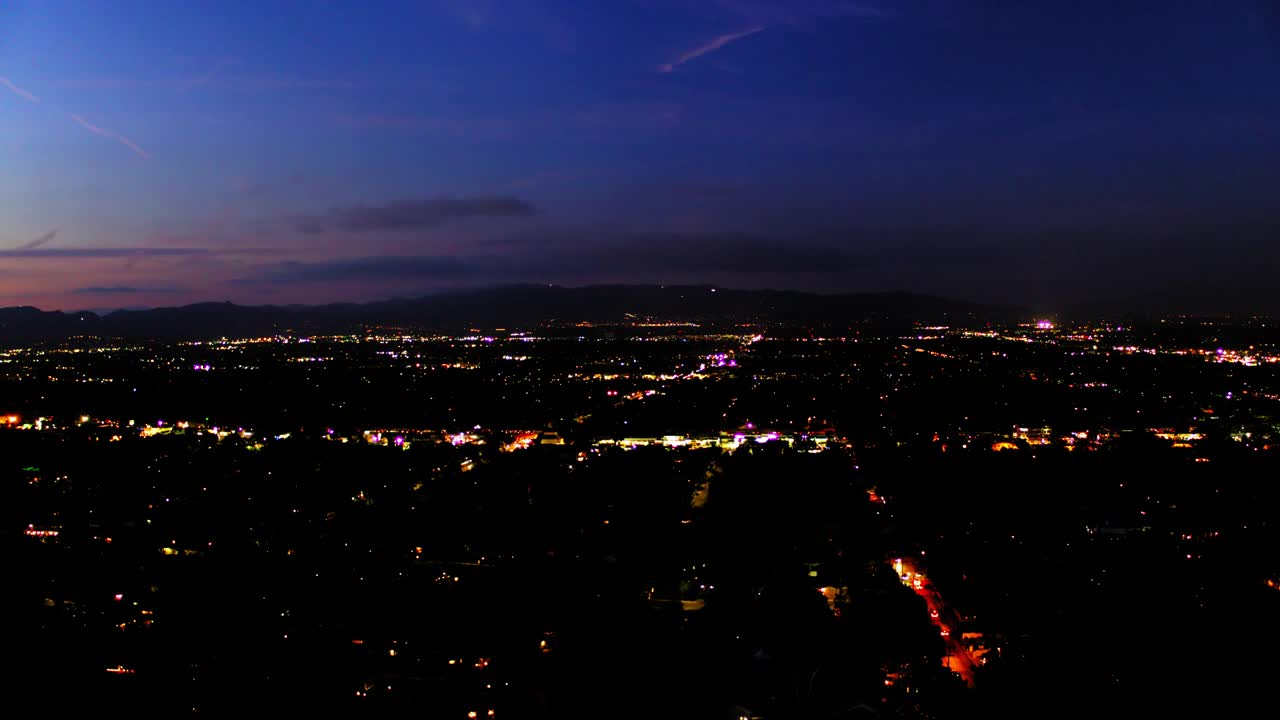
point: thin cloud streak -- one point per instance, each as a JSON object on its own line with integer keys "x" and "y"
{"x": 788, "y": 12}
{"x": 218, "y": 78}
{"x": 111, "y": 135}
{"x": 715, "y": 44}
{"x": 123, "y": 290}
{"x": 380, "y": 268}
{"x": 195, "y": 82}
{"x": 38, "y": 241}
{"x": 18, "y": 91}
{"x": 107, "y": 252}
{"x": 429, "y": 213}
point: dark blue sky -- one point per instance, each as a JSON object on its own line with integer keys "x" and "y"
{"x": 158, "y": 153}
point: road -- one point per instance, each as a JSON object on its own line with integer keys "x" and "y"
{"x": 959, "y": 659}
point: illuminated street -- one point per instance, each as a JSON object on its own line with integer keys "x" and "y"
{"x": 947, "y": 620}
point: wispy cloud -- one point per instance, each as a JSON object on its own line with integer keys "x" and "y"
{"x": 576, "y": 253}
{"x": 429, "y": 213}
{"x": 383, "y": 268}
{"x": 18, "y": 91}
{"x": 6, "y": 82}
{"x": 790, "y": 12}
{"x": 122, "y": 290}
{"x": 200, "y": 80}
{"x": 243, "y": 83}
{"x": 268, "y": 83}
{"x": 715, "y": 44}
{"x": 589, "y": 122}
{"x": 38, "y": 241}
{"x": 111, "y": 135}
{"x": 475, "y": 14}
{"x": 103, "y": 252}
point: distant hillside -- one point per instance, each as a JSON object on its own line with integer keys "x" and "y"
{"x": 1199, "y": 301}
{"x": 23, "y": 323}
{"x": 520, "y": 305}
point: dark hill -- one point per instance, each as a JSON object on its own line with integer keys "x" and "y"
{"x": 519, "y": 305}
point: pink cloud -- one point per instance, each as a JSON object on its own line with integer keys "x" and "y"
{"x": 18, "y": 91}
{"x": 111, "y": 135}
{"x": 715, "y": 44}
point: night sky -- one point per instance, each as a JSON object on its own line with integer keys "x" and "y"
{"x": 161, "y": 153}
